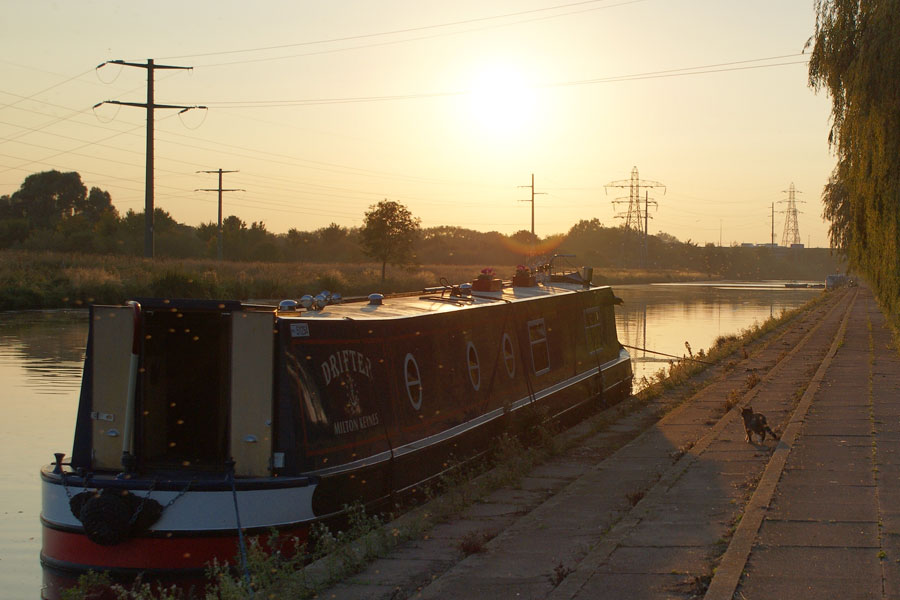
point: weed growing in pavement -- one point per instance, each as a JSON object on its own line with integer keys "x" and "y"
{"x": 752, "y": 380}
{"x": 474, "y": 541}
{"x": 734, "y": 396}
{"x": 634, "y": 497}
{"x": 560, "y": 572}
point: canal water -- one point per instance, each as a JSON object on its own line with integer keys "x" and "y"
{"x": 42, "y": 352}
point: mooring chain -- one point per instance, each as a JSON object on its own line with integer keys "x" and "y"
{"x": 143, "y": 501}
{"x": 180, "y": 494}
{"x": 65, "y": 484}
{"x": 168, "y": 504}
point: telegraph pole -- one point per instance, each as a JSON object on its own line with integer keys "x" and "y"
{"x": 150, "y": 106}
{"x": 220, "y": 190}
{"x": 773, "y": 224}
{"x": 532, "y": 201}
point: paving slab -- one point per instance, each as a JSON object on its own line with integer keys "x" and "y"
{"x": 644, "y": 586}
{"x": 815, "y": 533}
{"x": 794, "y": 586}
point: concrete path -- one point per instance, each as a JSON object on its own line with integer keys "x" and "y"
{"x": 653, "y": 508}
{"x": 829, "y": 524}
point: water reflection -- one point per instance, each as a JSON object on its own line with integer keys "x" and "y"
{"x": 41, "y": 356}
{"x": 662, "y": 317}
{"x": 47, "y": 345}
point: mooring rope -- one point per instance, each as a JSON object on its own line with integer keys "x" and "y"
{"x": 237, "y": 515}
{"x": 669, "y": 355}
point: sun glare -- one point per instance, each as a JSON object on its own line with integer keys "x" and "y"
{"x": 500, "y": 101}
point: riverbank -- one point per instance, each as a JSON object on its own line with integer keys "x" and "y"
{"x": 33, "y": 280}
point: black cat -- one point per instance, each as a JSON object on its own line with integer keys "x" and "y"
{"x": 756, "y": 423}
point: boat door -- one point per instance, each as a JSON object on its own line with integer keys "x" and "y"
{"x": 112, "y": 330}
{"x": 252, "y": 350}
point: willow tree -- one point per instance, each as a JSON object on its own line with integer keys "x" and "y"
{"x": 856, "y": 60}
{"x": 389, "y": 233}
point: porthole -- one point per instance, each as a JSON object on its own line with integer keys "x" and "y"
{"x": 473, "y": 365}
{"x": 413, "y": 381}
{"x": 509, "y": 356}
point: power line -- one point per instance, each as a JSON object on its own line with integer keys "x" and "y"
{"x": 680, "y": 72}
{"x": 407, "y": 30}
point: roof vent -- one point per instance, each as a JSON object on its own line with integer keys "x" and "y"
{"x": 287, "y": 305}
{"x": 376, "y": 299}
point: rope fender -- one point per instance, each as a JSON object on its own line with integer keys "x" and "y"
{"x": 112, "y": 516}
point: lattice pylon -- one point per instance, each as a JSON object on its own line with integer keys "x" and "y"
{"x": 791, "y": 226}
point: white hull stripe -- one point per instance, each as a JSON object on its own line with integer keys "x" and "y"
{"x": 201, "y": 511}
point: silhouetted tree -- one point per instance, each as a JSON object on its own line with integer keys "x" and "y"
{"x": 389, "y": 233}
{"x": 46, "y": 198}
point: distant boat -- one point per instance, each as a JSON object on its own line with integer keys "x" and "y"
{"x": 196, "y": 415}
{"x": 795, "y": 284}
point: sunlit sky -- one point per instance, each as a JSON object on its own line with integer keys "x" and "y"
{"x": 325, "y": 108}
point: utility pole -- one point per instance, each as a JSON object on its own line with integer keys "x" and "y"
{"x": 150, "y": 106}
{"x": 532, "y": 201}
{"x": 633, "y": 215}
{"x": 773, "y": 224}
{"x": 791, "y": 226}
{"x": 220, "y": 190}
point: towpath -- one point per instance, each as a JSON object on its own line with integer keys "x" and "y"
{"x": 682, "y": 506}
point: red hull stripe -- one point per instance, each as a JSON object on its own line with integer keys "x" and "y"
{"x": 189, "y": 552}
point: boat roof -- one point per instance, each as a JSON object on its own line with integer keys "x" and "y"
{"x": 431, "y": 301}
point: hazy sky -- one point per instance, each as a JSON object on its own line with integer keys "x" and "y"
{"x": 325, "y": 108}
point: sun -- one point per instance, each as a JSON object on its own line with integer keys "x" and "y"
{"x": 501, "y": 101}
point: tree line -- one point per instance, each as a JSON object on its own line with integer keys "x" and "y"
{"x": 55, "y": 211}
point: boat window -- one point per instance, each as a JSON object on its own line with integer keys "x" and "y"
{"x": 509, "y": 356}
{"x": 593, "y": 327}
{"x": 540, "y": 351}
{"x": 474, "y": 367}
{"x": 413, "y": 381}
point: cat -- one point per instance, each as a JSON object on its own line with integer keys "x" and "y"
{"x": 756, "y": 423}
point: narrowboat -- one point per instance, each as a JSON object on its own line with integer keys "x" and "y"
{"x": 200, "y": 419}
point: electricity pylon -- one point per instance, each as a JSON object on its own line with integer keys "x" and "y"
{"x": 635, "y": 213}
{"x": 791, "y": 227}
{"x": 151, "y": 106}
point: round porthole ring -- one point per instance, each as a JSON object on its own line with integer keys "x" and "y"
{"x": 470, "y": 349}
{"x": 509, "y": 358}
{"x": 416, "y": 403}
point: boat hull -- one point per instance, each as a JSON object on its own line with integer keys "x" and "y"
{"x": 345, "y": 411}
